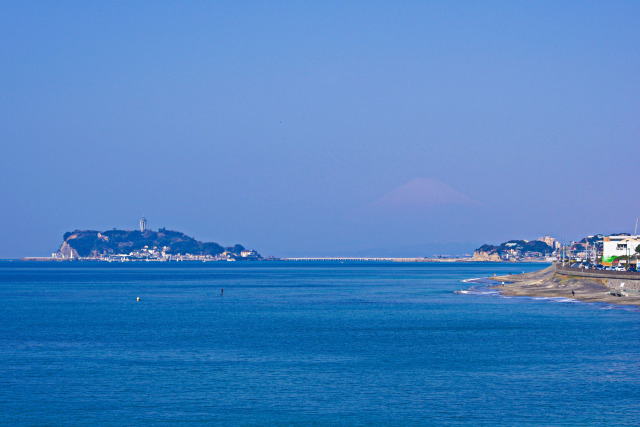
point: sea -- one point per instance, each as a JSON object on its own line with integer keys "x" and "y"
{"x": 305, "y": 343}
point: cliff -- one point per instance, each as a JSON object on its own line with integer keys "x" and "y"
{"x": 479, "y": 255}
{"x": 67, "y": 251}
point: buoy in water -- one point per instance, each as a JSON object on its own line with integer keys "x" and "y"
{"x": 138, "y": 299}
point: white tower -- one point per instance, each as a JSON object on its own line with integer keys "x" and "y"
{"x": 143, "y": 224}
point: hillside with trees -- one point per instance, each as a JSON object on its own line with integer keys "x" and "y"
{"x": 513, "y": 249}
{"x": 91, "y": 243}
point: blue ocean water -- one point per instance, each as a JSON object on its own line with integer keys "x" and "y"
{"x": 305, "y": 344}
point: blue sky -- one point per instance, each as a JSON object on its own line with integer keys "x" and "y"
{"x": 286, "y": 126}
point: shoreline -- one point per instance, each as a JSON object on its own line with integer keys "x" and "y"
{"x": 298, "y": 259}
{"x": 549, "y": 283}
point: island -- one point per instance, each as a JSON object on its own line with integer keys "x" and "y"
{"x": 146, "y": 245}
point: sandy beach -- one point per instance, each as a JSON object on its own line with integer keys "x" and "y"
{"x": 548, "y": 283}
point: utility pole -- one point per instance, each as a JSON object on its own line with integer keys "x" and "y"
{"x": 627, "y": 251}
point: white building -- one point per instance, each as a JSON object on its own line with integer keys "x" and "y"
{"x": 616, "y": 246}
{"x": 143, "y": 224}
{"x": 553, "y": 243}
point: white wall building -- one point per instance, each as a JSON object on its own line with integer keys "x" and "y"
{"x": 615, "y": 246}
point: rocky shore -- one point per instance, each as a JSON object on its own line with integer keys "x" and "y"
{"x": 550, "y": 283}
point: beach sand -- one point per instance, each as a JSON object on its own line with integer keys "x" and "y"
{"x": 547, "y": 283}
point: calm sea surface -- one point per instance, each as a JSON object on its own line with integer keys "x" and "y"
{"x": 305, "y": 344}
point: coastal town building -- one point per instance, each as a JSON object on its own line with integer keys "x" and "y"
{"x": 249, "y": 254}
{"x": 618, "y": 246}
{"x": 553, "y": 243}
{"x": 143, "y": 224}
{"x": 544, "y": 249}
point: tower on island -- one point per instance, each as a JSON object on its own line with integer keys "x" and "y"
{"x": 143, "y": 224}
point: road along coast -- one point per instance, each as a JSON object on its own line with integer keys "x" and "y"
{"x": 584, "y": 285}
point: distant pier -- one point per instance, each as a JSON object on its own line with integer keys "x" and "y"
{"x": 388, "y": 259}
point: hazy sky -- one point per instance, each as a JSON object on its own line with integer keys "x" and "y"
{"x": 319, "y": 128}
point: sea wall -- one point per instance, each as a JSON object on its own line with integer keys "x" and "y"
{"x": 612, "y": 279}
{"x": 600, "y": 274}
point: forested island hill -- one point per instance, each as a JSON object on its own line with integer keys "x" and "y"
{"x": 146, "y": 245}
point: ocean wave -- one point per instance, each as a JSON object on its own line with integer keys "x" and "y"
{"x": 598, "y": 305}
{"x": 479, "y": 290}
{"x": 484, "y": 287}
{"x": 562, "y": 299}
{"x": 484, "y": 280}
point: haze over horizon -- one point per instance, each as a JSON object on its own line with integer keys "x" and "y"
{"x": 319, "y": 128}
